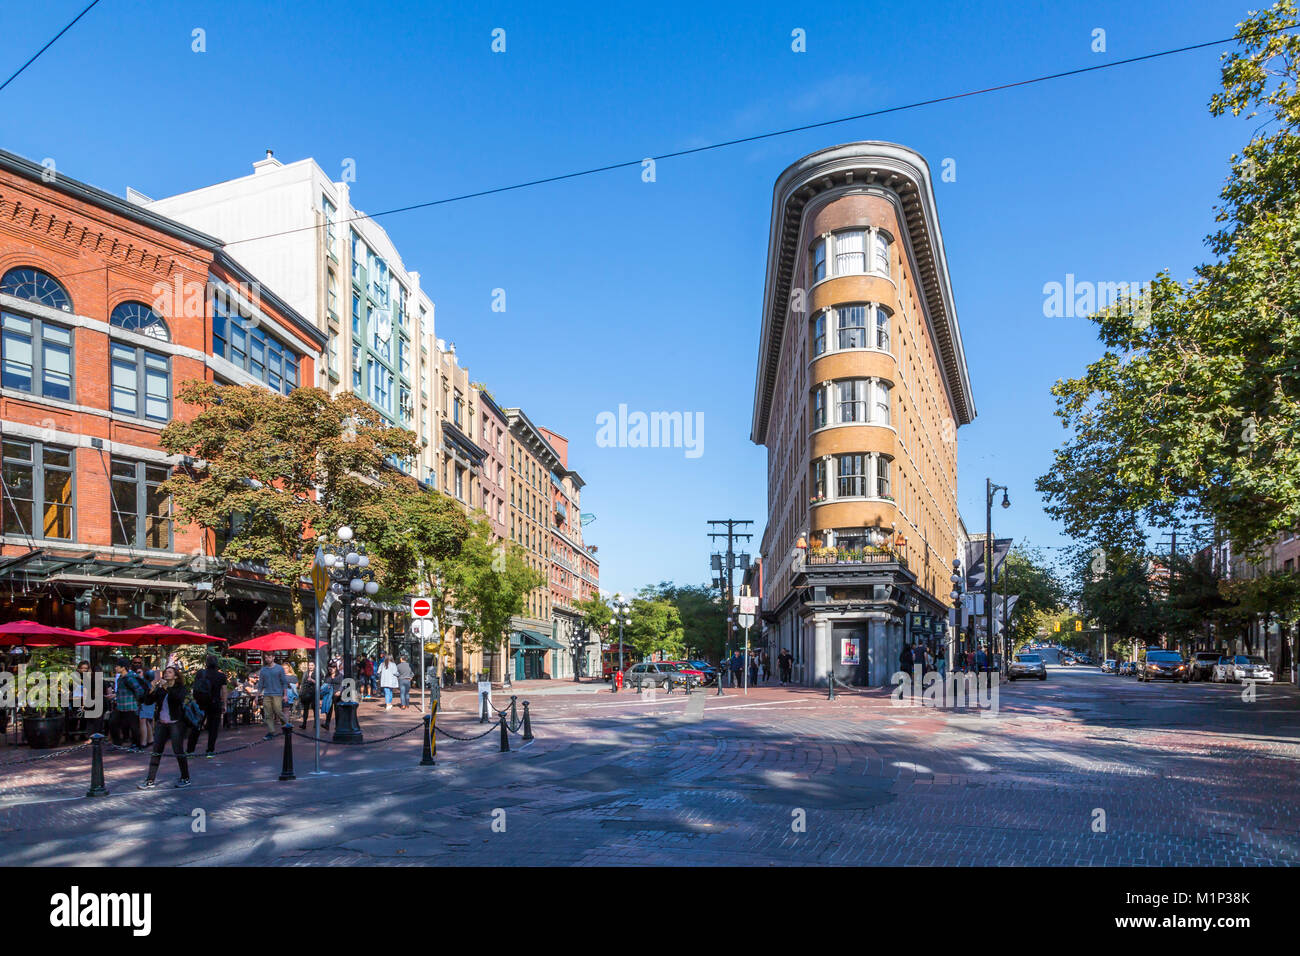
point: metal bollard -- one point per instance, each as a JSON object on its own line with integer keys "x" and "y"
{"x": 505, "y": 738}
{"x": 638, "y": 686}
{"x": 528, "y": 724}
{"x": 718, "y": 679}
{"x": 669, "y": 686}
{"x": 830, "y": 687}
{"x": 286, "y": 769}
{"x": 97, "y": 788}
{"x": 482, "y": 707}
{"x": 514, "y": 713}
{"x": 426, "y": 758}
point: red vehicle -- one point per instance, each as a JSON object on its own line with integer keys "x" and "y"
{"x": 609, "y": 660}
{"x": 698, "y": 677}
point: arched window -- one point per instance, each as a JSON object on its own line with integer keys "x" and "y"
{"x": 138, "y": 317}
{"x": 35, "y": 286}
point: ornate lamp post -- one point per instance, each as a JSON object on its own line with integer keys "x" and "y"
{"x": 990, "y": 491}
{"x": 578, "y": 641}
{"x": 621, "y": 617}
{"x": 348, "y": 566}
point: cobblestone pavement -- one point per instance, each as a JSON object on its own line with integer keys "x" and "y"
{"x": 1082, "y": 769}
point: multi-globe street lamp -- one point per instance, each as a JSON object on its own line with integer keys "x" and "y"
{"x": 622, "y": 610}
{"x": 351, "y": 577}
{"x": 578, "y": 642}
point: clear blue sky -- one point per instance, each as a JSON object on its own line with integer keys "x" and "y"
{"x": 650, "y": 295}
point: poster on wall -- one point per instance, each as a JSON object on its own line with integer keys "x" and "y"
{"x": 849, "y": 653}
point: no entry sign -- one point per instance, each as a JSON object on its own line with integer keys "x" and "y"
{"x": 421, "y": 608}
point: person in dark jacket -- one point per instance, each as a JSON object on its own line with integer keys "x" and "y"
{"x": 167, "y": 694}
{"x": 905, "y": 660}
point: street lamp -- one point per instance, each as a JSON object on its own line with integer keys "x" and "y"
{"x": 578, "y": 641}
{"x": 990, "y": 491}
{"x": 957, "y": 586}
{"x": 351, "y": 577}
{"x": 621, "y": 617}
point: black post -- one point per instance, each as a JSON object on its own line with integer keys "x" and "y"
{"x": 505, "y": 738}
{"x": 482, "y": 707}
{"x": 830, "y": 686}
{"x": 346, "y": 727}
{"x": 97, "y": 788}
{"x": 528, "y": 724}
{"x": 426, "y": 758}
{"x": 514, "y": 713}
{"x": 286, "y": 769}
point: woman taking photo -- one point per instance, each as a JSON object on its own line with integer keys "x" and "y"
{"x": 167, "y": 695}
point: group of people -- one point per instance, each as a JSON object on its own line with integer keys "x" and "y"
{"x": 927, "y": 659}
{"x": 389, "y": 677}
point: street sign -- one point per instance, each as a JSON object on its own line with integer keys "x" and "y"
{"x": 421, "y": 608}
{"x": 422, "y": 628}
{"x": 320, "y": 578}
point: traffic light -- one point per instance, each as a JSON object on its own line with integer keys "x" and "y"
{"x": 1057, "y": 627}
{"x": 1078, "y": 625}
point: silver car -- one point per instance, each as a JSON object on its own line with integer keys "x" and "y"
{"x": 654, "y": 674}
{"x": 1027, "y": 665}
{"x": 1243, "y": 667}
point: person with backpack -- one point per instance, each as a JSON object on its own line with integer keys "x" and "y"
{"x": 167, "y": 693}
{"x": 140, "y": 666}
{"x": 210, "y": 694}
{"x": 128, "y": 688}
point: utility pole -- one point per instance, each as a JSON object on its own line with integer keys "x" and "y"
{"x": 728, "y": 597}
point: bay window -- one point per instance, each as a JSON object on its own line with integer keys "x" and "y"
{"x": 851, "y": 252}
{"x": 860, "y": 251}
{"x": 882, "y": 476}
{"x": 852, "y": 400}
{"x": 819, "y": 334}
{"x": 852, "y": 326}
{"x": 819, "y": 408}
{"x": 852, "y": 473}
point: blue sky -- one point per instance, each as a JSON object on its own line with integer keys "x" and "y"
{"x": 650, "y": 294}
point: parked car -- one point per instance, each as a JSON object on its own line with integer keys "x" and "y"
{"x": 1243, "y": 667}
{"x": 1027, "y": 665}
{"x": 1066, "y": 659}
{"x": 1127, "y": 669}
{"x": 1203, "y": 664}
{"x": 1164, "y": 665}
{"x": 708, "y": 670}
{"x": 654, "y": 674}
{"x": 697, "y": 674}
{"x": 1110, "y": 666}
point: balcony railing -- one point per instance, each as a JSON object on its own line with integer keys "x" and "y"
{"x": 821, "y": 557}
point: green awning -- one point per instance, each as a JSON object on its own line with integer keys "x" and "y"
{"x": 533, "y": 640}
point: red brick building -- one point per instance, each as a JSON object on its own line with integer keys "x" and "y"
{"x": 105, "y": 310}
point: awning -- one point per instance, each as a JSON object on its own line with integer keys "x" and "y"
{"x": 533, "y": 640}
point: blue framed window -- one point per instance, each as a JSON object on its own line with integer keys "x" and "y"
{"x": 263, "y": 357}
{"x": 35, "y": 356}
{"x": 140, "y": 383}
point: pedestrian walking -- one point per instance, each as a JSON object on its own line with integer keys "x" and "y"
{"x": 941, "y": 663}
{"x": 128, "y": 688}
{"x": 753, "y": 669}
{"x": 273, "y": 682}
{"x": 388, "y": 681}
{"x": 404, "y": 677}
{"x": 167, "y": 694}
{"x": 140, "y": 666}
{"x": 210, "y": 691}
{"x": 785, "y": 663}
{"x": 905, "y": 659}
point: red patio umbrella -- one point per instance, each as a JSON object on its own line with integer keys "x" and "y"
{"x": 162, "y": 634}
{"x": 100, "y": 637}
{"x": 277, "y": 641}
{"x": 29, "y": 633}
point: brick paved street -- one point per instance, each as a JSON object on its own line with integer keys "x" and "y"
{"x": 1185, "y": 775}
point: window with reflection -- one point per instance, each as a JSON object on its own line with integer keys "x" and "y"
{"x": 138, "y": 317}
{"x": 141, "y": 512}
{"x": 38, "y": 498}
{"x": 36, "y": 286}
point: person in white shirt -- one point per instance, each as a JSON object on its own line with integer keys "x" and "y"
{"x": 388, "y": 680}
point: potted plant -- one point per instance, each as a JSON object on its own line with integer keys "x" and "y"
{"x": 44, "y": 724}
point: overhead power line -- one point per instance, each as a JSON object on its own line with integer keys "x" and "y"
{"x": 51, "y": 43}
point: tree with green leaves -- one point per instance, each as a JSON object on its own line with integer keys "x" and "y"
{"x": 703, "y": 618}
{"x": 656, "y": 626}
{"x": 489, "y": 581}
{"x": 1193, "y": 409}
{"x": 272, "y": 471}
{"x": 1040, "y": 591}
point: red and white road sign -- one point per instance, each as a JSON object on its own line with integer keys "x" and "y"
{"x": 421, "y": 608}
